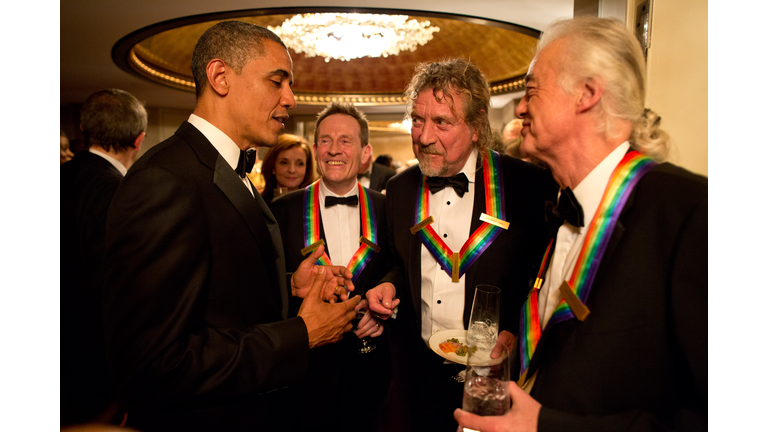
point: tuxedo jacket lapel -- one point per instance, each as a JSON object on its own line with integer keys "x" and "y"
{"x": 322, "y": 232}
{"x": 478, "y": 207}
{"x": 225, "y": 178}
{"x": 376, "y": 178}
{"x": 256, "y": 215}
{"x": 277, "y": 242}
{"x": 229, "y": 183}
{"x": 616, "y": 235}
{"x": 414, "y": 256}
{"x": 618, "y": 231}
{"x": 260, "y": 221}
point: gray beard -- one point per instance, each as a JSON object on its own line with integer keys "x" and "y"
{"x": 431, "y": 171}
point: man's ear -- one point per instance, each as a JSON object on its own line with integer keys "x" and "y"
{"x": 217, "y": 72}
{"x": 475, "y": 134}
{"x": 139, "y": 139}
{"x": 591, "y": 92}
{"x": 366, "y": 154}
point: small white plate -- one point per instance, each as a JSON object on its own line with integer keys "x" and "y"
{"x": 441, "y": 336}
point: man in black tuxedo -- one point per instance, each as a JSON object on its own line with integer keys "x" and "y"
{"x": 632, "y": 354}
{"x": 450, "y": 134}
{"x": 196, "y": 297}
{"x": 113, "y": 123}
{"x": 341, "y": 146}
{"x": 374, "y": 175}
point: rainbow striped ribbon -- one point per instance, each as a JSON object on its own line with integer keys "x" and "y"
{"x": 623, "y": 180}
{"x": 483, "y": 236}
{"x": 365, "y": 252}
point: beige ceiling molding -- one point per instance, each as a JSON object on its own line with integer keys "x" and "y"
{"x": 162, "y": 53}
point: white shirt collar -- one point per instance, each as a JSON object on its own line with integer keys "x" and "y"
{"x": 116, "y": 163}
{"x": 324, "y": 191}
{"x": 590, "y": 191}
{"x": 470, "y": 167}
{"x": 220, "y": 141}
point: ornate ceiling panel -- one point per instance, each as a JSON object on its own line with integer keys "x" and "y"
{"x": 503, "y": 51}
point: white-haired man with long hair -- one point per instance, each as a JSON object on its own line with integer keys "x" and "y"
{"x": 613, "y": 336}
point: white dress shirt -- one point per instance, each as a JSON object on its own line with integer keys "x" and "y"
{"x": 222, "y": 143}
{"x": 442, "y": 301}
{"x": 570, "y": 239}
{"x": 341, "y": 225}
{"x": 116, "y": 163}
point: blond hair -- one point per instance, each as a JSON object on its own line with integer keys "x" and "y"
{"x": 599, "y": 47}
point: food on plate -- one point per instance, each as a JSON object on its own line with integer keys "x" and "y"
{"x": 452, "y": 345}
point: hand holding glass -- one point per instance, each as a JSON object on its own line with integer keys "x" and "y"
{"x": 485, "y": 388}
{"x": 366, "y": 344}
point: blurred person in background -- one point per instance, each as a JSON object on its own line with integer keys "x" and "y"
{"x": 512, "y": 130}
{"x": 375, "y": 175}
{"x": 497, "y": 143}
{"x": 113, "y": 123}
{"x": 512, "y": 138}
{"x": 286, "y": 167}
{"x": 385, "y": 160}
{"x": 65, "y": 154}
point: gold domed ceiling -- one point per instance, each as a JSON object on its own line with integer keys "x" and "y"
{"x": 503, "y": 51}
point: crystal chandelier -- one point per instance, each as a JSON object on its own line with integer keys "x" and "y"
{"x": 350, "y": 36}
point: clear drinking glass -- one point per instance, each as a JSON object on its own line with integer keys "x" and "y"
{"x": 486, "y": 391}
{"x": 484, "y": 319}
{"x": 366, "y": 344}
{"x": 280, "y": 191}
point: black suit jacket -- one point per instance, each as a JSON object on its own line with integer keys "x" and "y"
{"x": 195, "y": 298}
{"x": 288, "y": 210}
{"x": 639, "y": 360}
{"x": 380, "y": 175}
{"x": 331, "y": 389}
{"x": 88, "y": 183}
{"x": 508, "y": 263}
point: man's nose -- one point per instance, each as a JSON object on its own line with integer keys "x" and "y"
{"x": 288, "y": 100}
{"x": 522, "y": 108}
{"x": 334, "y": 148}
{"x": 428, "y": 135}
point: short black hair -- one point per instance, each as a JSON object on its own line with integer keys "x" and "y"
{"x": 234, "y": 42}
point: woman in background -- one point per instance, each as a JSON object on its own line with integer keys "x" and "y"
{"x": 287, "y": 167}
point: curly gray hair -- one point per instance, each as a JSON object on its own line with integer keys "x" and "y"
{"x": 456, "y": 76}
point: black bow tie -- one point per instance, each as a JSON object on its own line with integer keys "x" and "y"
{"x": 568, "y": 210}
{"x": 365, "y": 174}
{"x": 459, "y": 183}
{"x": 246, "y": 161}
{"x": 331, "y": 201}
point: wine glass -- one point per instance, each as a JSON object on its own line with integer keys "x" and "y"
{"x": 484, "y": 319}
{"x": 279, "y": 191}
{"x": 366, "y": 344}
{"x": 486, "y": 391}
